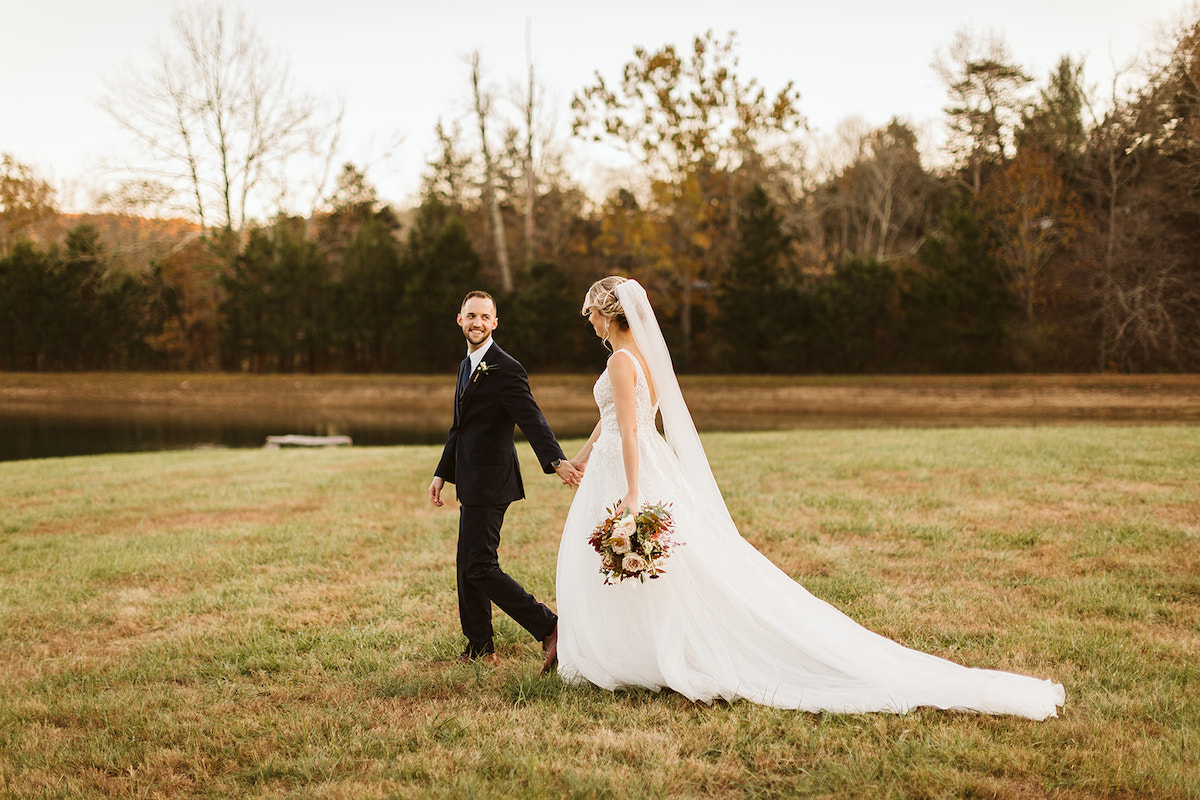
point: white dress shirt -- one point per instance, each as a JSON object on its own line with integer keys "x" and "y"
{"x": 478, "y": 355}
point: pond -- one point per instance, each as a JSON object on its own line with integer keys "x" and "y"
{"x": 56, "y": 430}
{"x": 49, "y": 416}
{"x": 53, "y": 431}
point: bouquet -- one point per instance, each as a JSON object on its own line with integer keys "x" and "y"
{"x": 634, "y": 545}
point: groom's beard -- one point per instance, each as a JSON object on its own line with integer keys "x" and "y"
{"x": 477, "y": 338}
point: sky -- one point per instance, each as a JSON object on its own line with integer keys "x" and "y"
{"x": 400, "y": 66}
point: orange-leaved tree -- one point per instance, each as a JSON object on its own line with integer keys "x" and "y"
{"x": 698, "y": 131}
{"x": 1033, "y": 216}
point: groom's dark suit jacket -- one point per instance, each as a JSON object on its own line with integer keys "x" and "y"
{"x": 480, "y": 457}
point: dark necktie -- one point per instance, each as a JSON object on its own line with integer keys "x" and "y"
{"x": 464, "y": 373}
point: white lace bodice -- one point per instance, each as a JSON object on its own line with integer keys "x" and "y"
{"x": 603, "y": 394}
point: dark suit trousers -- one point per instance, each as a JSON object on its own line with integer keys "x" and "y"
{"x": 481, "y": 582}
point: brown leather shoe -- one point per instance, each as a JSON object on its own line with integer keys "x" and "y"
{"x": 491, "y": 659}
{"x": 550, "y": 648}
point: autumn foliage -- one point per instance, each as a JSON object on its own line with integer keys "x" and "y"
{"x": 1053, "y": 238}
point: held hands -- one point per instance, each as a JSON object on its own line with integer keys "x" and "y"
{"x": 569, "y": 473}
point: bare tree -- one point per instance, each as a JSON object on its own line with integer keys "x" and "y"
{"x": 25, "y": 201}
{"x": 1141, "y": 167}
{"x": 1140, "y": 296}
{"x": 536, "y": 159}
{"x": 136, "y": 197}
{"x": 840, "y": 223}
{"x": 530, "y": 176}
{"x": 218, "y": 117}
{"x": 1033, "y": 216}
{"x": 876, "y": 197}
{"x": 483, "y": 102}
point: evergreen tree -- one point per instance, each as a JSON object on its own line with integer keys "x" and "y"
{"x": 540, "y": 321}
{"x": 66, "y": 309}
{"x": 277, "y": 302}
{"x": 954, "y": 305}
{"x": 439, "y": 266}
{"x": 77, "y": 341}
{"x": 369, "y": 297}
{"x": 26, "y": 316}
{"x": 1054, "y": 125}
{"x": 854, "y": 318}
{"x": 753, "y": 289}
{"x": 122, "y": 322}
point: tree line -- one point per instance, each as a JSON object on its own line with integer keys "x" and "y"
{"x": 1053, "y": 232}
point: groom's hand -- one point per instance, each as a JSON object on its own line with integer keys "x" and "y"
{"x": 569, "y": 474}
{"x": 435, "y": 492}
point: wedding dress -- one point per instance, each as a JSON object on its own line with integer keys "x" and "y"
{"x": 723, "y": 622}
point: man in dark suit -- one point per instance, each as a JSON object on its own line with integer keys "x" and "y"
{"x": 492, "y": 397}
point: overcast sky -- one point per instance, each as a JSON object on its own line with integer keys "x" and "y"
{"x": 399, "y": 65}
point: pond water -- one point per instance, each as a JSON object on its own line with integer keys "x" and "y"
{"x": 50, "y": 432}
{"x": 54, "y": 431}
{"x": 44, "y": 418}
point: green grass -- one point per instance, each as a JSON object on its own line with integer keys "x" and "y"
{"x": 283, "y": 623}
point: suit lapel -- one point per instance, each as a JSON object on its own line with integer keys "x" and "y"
{"x": 460, "y": 385}
{"x": 475, "y": 378}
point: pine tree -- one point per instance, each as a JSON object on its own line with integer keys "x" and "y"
{"x": 753, "y": 288}
{"x": 439, "y": 266}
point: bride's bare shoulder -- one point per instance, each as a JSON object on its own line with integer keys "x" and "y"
{"x": 621, "y": 361}
{"x": 621, "y": 368}
{"x": 628, "y": 356}
{"x": 628, "y": 371}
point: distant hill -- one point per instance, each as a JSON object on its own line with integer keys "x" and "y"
{"x": 133, "y": 242}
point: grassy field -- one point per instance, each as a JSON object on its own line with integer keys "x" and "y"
{"x": 283, "y": 623}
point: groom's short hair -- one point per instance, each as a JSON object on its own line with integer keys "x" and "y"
{"x": 482, "y": 294}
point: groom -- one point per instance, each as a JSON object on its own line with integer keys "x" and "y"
{"x": 491, "y": 397}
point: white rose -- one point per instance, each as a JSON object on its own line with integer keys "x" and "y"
{"x": 619, "y": 543}
{"x": 633, "y": 563}
{"x": 626, "y": 527}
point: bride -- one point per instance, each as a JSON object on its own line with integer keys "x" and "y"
{"x": 723, "y": 622}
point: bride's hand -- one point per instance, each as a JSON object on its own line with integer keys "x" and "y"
{"x": 628, "y": 503}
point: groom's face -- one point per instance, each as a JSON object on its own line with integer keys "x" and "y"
{"x": 477, "y": 320}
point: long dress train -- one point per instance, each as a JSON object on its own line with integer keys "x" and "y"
{"x": 726, "y": 623}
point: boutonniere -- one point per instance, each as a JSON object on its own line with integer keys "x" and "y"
{"x": 483, "y": 369}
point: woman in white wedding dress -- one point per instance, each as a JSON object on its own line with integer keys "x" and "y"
{"x": 723, "y": 622}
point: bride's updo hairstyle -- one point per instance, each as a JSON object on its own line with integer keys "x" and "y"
{"x": 602, "y": 296}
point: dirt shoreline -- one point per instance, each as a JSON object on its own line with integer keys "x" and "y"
{"x": 725, "y": 402}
